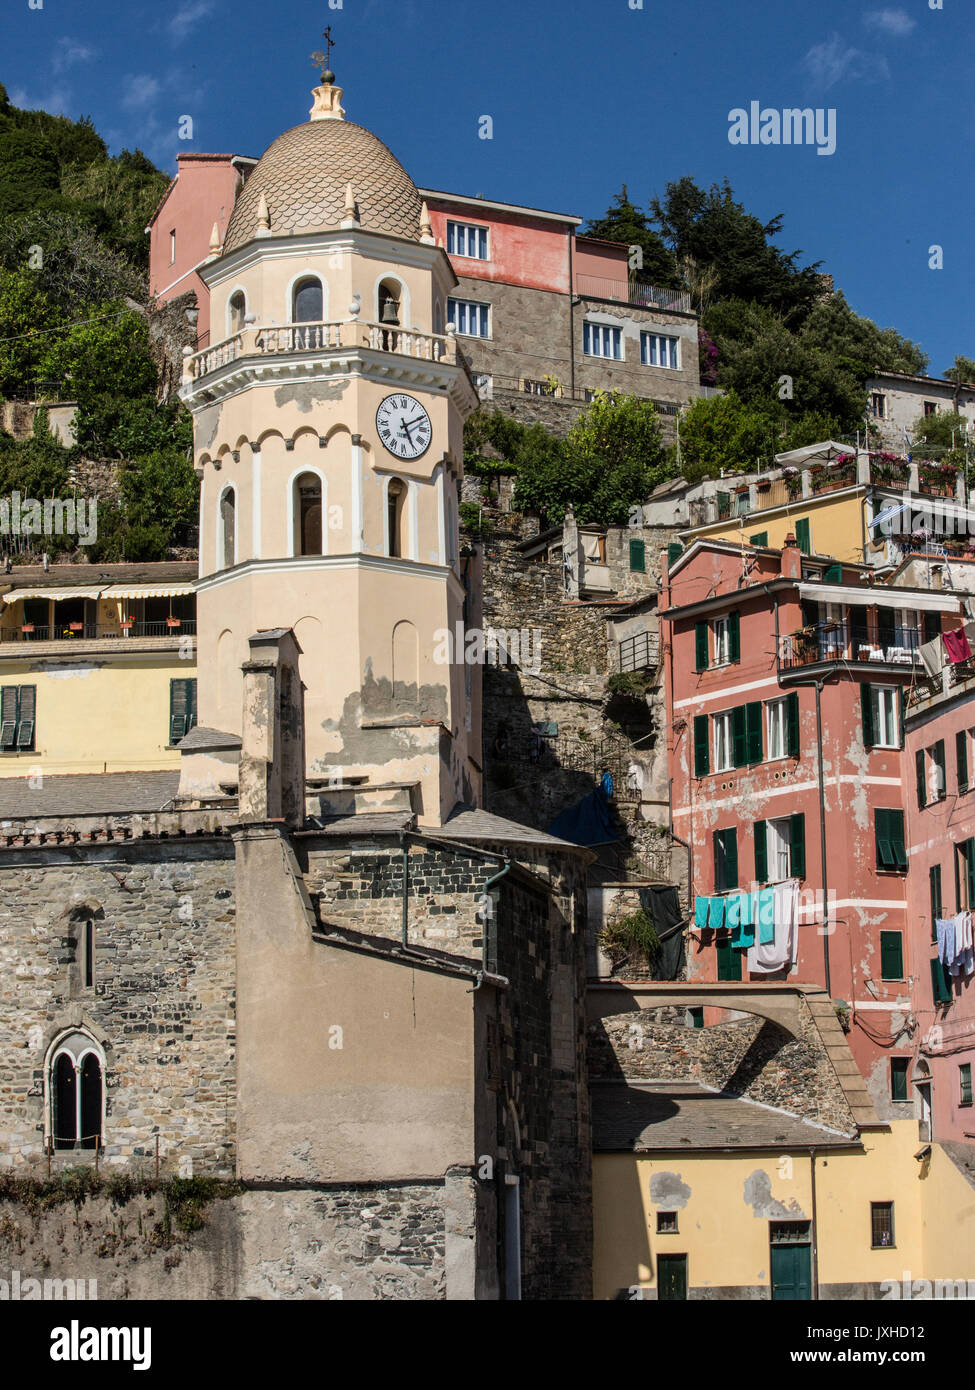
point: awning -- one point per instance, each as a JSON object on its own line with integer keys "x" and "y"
{"x": 57, "y": 594}
{"x": 872, "y": 596}
{"x": 147, "y": 590}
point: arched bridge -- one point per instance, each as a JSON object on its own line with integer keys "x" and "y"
{"x": 777, "y": 1001}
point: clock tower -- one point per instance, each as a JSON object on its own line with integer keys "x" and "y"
{"x": 328, "y": 438}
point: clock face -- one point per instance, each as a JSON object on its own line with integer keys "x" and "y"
{"x": 404, "y": 427}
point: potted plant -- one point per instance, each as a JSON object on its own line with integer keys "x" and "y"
{"x": 173, "y": 622}
{"x": 27, "y": 627}
{"x": 793, "y": 482}
{"x": 76, "y": 627}
{"x": 126, "y": 623}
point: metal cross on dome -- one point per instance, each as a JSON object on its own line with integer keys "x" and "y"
{"x": 324, "y": 60}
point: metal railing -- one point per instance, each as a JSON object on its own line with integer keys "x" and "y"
{"x": 841, "y": 642}
{"x": 639, "y": 653}
{"x": 88, "y": 632}
{"x": 633, "y": 292}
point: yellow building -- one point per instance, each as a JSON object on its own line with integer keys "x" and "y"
{"x": 703, "y": 1195}
{"x": 97, "y": 673}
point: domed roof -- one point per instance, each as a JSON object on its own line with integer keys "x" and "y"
{"x": 303, "y": 176}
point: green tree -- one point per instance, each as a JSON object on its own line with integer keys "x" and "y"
{"x": 962, "y": 372}
{"x": 626, "y": 223}
{"x": 29, "y": 172}
{"x": 128, "y": 189}
{"x": 76, "y": 268}
{"x": 102, "y": 364}
{"x": 158, "y": 507}
{"x": 723, "y": 433}
{"x": 25, "y": 315}
{"x": 492, "y": 441}
{"x": 940, "y": 437}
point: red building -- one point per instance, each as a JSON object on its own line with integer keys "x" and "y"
{"x": 785, "y": 684}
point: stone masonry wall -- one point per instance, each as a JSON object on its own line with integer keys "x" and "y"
{"x": 750, "y": 1057}
{"x": 162, "y": 1002}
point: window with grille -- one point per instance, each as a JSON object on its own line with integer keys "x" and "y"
{"x": 881, "y": 1225}
{"x": 17, "y": 707}
{"x": 788, "y": 1232}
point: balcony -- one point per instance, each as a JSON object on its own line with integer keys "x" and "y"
{"x": 632, "y": 292}
{"x": 639, "y": 652}
{"x": 347, "y": 335}
{"x": 94, "y": 632}
{"x": 843, "y": 642}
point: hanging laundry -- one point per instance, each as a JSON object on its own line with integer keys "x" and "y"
{"x": 716, "y": 914}
{"x": 957, "y": 647}
{"x": 945, "y": 929}
{"x": 964, "y": 961}
{"x": 769, "y": 957}
{"x": 748, "y": 917}
{"x": 701, "y": 906}
{"x": 765, "y": 915}
{"x": 732, "y": 910}
{"x": 933, "y": 657}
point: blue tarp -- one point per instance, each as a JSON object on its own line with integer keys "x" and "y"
{"x": 588, "y": 823}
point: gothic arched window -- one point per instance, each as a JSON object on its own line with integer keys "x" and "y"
{"x": 396, "y": 516}
{"x": 307, "y": 301}
{"x": 226, "y": 556}
{"x": 75, "y": 1084}
{"x": 308, "y": 514}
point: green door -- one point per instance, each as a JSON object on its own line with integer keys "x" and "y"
{"x": 791, "y": 1272}
{"x": 671, "y": 1277}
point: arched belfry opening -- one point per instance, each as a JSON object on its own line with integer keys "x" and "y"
{"x": 227, "y": 549}
{"x": 307, "y": 301}
{"x": 307, "y": 505}
{"x": 396, "y": 517}
{"x": 236, "y": 310}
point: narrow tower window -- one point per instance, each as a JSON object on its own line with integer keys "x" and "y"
{"x": 307, "y": 305}
{"x": 75, "y": 1082}
{"x": 308, "y": 514}
{"x": 228, "y": 508}
{"x": 238, "y": 308}
{"x": 396, "y": 515}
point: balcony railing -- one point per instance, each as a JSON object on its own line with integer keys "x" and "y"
{"x": 321, "y": 337}
{"x": 633, "y": 292}
{"x": 639, "y": 653}
{"x": 89, "y": 632}
{"x": 841, "y": 642}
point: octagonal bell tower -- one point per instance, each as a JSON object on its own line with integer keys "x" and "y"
{"x": 328, "y": 420}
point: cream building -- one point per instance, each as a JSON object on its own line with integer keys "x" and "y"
{"x": 328, "y": 440}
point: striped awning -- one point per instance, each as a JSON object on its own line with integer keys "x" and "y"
{"x": 15, "y": 595}
{"x": 874, "y": 596}
{"x": 147, "y": 590}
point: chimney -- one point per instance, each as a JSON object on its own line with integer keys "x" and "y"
{"x": 791, "y": 562}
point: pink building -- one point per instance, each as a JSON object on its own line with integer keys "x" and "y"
{"x": 939, "y": 773}
{"x": 785, "y": 680}
{"x": 201, "y": 196}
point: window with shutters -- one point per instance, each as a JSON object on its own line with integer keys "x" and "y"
{"x": 674, "y": 551}
{"x": 963, "y": 750}
{"x": 881, "y": 1225}
{"x": 182, "y": 708}
{"x": 889, "y": 835}
{"x": 898, "y": 1078}
{"x": 941, "y": 990}
{"x": 930, "y": 773}
{"x": 17, "y": 713}
{"x": 965, "y": 875}
{"x": 965, "y": 1083}
{"x": 759, "y": 538}
{"x": 891, "y": 955}
{"x": 775, "y": 729}
{"x": 723, "y": 742}
{"x": 728, "y": 959}
{"x": 638, "y": 556}
{"x": 725, "y": 860}
{"x": 721, "y": 633}
{"x": 701, "y": 760}
{"x": 780, "y": 849}
{"x": 934, "y": 886}
{"x": 881, "y": 724}
{"x": 777, "y": 850}
{"x": 803, "y": 537}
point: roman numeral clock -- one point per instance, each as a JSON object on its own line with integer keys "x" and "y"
{"x": 404, "y": 426}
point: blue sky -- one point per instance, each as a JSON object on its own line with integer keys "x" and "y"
{"x": 582, "y": 97}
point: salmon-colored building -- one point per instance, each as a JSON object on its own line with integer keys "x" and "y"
{"x": 939, "y": 772}
{"x": 785, "y": 683}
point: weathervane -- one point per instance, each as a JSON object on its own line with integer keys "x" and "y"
{"x": 324, "y": 60}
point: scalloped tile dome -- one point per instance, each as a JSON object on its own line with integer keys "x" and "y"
{"x": 303, "y": 176}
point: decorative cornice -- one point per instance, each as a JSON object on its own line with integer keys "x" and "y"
{"x": 383, "y": 564}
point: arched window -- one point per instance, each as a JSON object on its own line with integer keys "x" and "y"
{"x": 228, "y": 526}
{"x": 438, "y": 318}
{"x": 389, "y": 298}
{"x": 308, "y": 514}
{"x": 307, "y": 301}
{"x": 237, "y": 308}
{"x": 75, "y": 1085}
{"x": 396, "y": 516}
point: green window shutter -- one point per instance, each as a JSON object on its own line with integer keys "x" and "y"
{"x": 866, "y": 710}
{"x": 934, "y": 882}
{"x": 697, "y": 1017}
{"x": 895, "y": 820}
{"x": 26, "y": 701}
{"x": 833, "y": 574}
{"x": 961, "y": 759}
{"x": 701, "y": 645}
{"x": 637, "y": 555}
{"x": 702, "y": 761}
{"x": 734, "y": 635}
{"x": 797, "y": 844}
{"x": 898, "y": 1077}
{"x": 939, "y": 762}
{"x": 885, "y": 854}
{"x": 761, "y": 852}
{"x": 969, "y": 852}
{"x": 802, "y": 535}
{"x": 674, "y": 551}
{"x": 8, "y": 716}
{"x": 739, "y": 737}
{"x": 792, "y": 725}
{"x": 965, "y": 1083}
{"x": 899, "y": 697}
{"x": 891, "y": 955}
{"x": 717, "y": 846}
{"x": 753, "y": 735}
{"x": 731, "y": 858}
{"x": 941, "y": 990}
{"x": 728, "y": 959}
{"x": 919, "y": 774}
{"x": 182, "y": 708}
{"x": 760, "y": 538}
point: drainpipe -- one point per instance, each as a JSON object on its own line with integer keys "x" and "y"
{"x": 490, "y": 949}
{"x": 572, "y": 330}
{"x": 813, "y": 1227}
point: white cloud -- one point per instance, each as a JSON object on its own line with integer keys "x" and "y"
{"x": 837, "y": 61}
{"x": 187, "y": 16}
{"x": 138, "y": 91}
{"x": 55, "y": 103}
{"x": 67, "y": 52}
{"x": 898, "y": 23}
